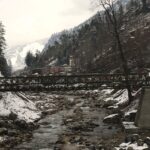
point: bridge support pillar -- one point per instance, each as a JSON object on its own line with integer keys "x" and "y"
{"x": 143, "y": 114}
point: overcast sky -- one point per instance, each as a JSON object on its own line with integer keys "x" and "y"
{"x": 29, "y": 20}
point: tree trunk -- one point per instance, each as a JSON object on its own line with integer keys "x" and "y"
{"x": 113, "y": 20}
{"x": 124, "y": 65}
{"x": 144, "y": 2}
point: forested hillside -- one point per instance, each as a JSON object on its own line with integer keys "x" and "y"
{"x": 5, "y": 68}
{"x": 94, "y": 47}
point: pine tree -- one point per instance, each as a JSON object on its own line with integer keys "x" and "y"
{"x": 2, "y": 39}
{"x": 29, "y": 60}
{"x": 4, "y": 67}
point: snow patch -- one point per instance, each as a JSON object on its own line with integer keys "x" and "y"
{"x": 111, "y": 116}
{"x": 123, "y": 98}
{"x": 119, "y": 98}
{"x": 25, "y": 110}
{"x": 133, "y": 145}
{"x": 129, "y": 112}
{"x": 107, "y": 91}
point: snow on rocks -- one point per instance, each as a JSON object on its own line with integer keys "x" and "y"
{"x": 117, "y": 99}
{"x": 114, "y": 118}
{"x": 122, "y": 99}
{"x": 107, "y": 91}
{"x": 132, "y": 146}
{"x": 2, "y": 140}
{"x": 133, "y": 142}
{"x": 130, "y": 127}
{"x": 130, "y": 112}
{"x": 130, "y": 116}
{"x": 24, "y": 109}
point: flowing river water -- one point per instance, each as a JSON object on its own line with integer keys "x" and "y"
{"x": 52, "y": 127}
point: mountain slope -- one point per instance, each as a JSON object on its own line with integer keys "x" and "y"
{"x": 17, "y": 54}
{"x": 93, "y": 46}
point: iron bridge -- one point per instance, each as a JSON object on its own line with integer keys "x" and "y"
{"x": 72, "y": 82}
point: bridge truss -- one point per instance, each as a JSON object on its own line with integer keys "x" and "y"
{"x": 72, "y": 82}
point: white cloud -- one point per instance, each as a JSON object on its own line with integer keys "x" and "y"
{"x": 29, "y": 20}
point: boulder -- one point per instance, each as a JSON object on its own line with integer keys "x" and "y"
{"x": 113, "y": 109}
{"x": 140, "y": 142}
{"x": 92, "y": 147}
{"x": 114, "y": 118}
{"x": 132, "y": 138}
{"x": 130, "y": 116}
{"x": 21, "y": 124}
{"x": 12, "y": 116}
{"x": 130, "y": 148}
{"x": 12, "y": 132}
{"x": 32, "y": 126}
{"x": 109, "y": 102}
{"x": 3, "y": 131}
{"x": 3, "y": 123}
{"x": 147, "y": 141}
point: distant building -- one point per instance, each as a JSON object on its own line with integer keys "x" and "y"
{"x": 71, "y": 61}
{"x": 56, "y": 70}
{"x": 48, "y": 70}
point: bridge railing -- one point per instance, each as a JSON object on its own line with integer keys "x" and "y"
{"x": 72, "y": 81}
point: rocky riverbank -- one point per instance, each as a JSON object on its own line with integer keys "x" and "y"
{"x": 17, "y": 119}
{"x": 77, "y": 120}
{"x": 73, "y": 120}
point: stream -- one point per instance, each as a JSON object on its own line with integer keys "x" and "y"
{"x": 46, "y": 136}
{"x": 52, "y": 126}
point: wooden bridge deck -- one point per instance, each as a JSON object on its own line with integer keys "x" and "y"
{"x": 72, "y": 82}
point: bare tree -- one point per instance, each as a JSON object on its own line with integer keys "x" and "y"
{"x": 144, "y": 3}
{"x": 115, "y": 21}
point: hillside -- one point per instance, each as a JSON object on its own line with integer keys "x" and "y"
{"x": 93, "y": 46}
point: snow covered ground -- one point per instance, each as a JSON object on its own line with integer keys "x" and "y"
{"x": 115, "y": 99}
{"x": 23, "y": 108}
{"x": 132, "y": 145}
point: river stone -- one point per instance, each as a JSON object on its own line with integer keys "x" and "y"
{"x": 113, "y": 109}
{"x": 32, "y": 126}
{"x": 92, "y": 147}
{"x": 3, "y": 123}
{"x": 112, "y": 119}
{"x": 132, "y": 138}
{"x": 100, "y": 146}
{"x": 140, "y": 142}
{"x": 130, "y": 117}
{"x": 12, "y": 116}
{"x": 147, "y": 141}
{"x": 12, "y": 132}
{"x": 21, "y": 123}
{"x": 3, "y": 131}
{"x": 69, "y": 147}
{"x": 130, "y": 148}
{"x": 135, "y": 137}
{"x": 109, "y": 102}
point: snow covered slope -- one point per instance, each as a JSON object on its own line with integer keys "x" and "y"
{"x": 24, "y": 109}
{"x": 17, "y": 54}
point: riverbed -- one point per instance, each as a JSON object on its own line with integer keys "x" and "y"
{"x": 71, "y": 121}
